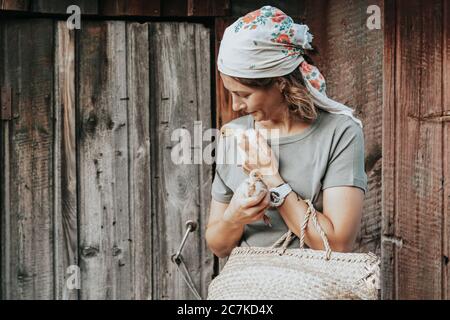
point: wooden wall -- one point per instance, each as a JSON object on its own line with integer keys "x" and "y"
{"x": 150, "y": 8}
{"x": 93, "y": 190}
{"x": 86, "y": 175}
{"x": 27, "y": 148}
{"x": 416, "y": 141}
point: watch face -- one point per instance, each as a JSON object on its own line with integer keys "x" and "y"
{"x": 274, "y": 197}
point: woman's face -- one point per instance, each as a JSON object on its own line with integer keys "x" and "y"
{"x": 262, "y": 103}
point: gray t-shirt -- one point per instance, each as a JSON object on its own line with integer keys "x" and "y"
{"x": 329, "y": 153}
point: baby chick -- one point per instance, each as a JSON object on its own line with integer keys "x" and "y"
{"x": 255, "y": 185}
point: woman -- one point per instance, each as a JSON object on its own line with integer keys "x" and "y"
{"x": 320, "y": 157}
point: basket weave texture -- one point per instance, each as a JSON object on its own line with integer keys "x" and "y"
{"x": 274, "y": 273}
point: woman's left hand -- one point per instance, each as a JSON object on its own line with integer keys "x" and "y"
{"x": 259, "y": 155}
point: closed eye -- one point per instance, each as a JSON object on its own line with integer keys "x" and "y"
{"x": 241, "y": 94}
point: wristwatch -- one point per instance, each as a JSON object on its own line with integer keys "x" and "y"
{"x": 278, "y": 194}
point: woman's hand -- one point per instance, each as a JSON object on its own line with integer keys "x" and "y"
{"x": 258, "y": 155}
{"x": 242, "y": 211}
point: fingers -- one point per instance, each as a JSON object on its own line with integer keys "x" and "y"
{"x": 263, "y": 204}
{"x": 264, "y": 149}
{"x": 254, "y": 201}
{"x": 244, "y": 145}
{"x": 257, "y": 152}
{"x": 260, "y": 207}
{"x": 258, "y": 216}
{"x": 246, "y": 167}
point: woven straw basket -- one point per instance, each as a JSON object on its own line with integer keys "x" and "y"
{"x": 273, "y": 273}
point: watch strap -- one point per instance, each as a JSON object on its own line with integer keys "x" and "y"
{"x": 283, "y": 190}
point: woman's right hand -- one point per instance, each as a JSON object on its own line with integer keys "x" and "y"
{"x": 242, "y": 211}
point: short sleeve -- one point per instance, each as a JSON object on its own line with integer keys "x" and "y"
{"x": 219, "y": 190}
{"x": 346, "y": 161}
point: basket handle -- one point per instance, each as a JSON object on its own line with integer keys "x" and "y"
{"x": 311, "y": 213}
{"x": 284, "y": 240}
{"x": 288, "y": 236}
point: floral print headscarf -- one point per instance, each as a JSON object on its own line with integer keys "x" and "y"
{"x": 267, "y": 43}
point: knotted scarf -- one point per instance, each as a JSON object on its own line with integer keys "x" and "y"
{"x": 267, "y": 43}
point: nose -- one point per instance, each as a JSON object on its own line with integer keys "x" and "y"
{"x": 238, "y": 104}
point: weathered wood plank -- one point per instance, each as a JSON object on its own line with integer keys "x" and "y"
{"x": 27, "y": 214}
{"x": 181, "y": 8}
{"x": 103, "y": 163}
{"x": 140, "y": 189}
{"x": 208, "y": 8}
{"x": 419, "y": 150}
{"x": 198, "y": 8}
{"x": 4, "y": 177}
{"x": 60, "y": 6}
{"x": 178, "y": 84}
{"x": 242, "y": 7}
{"x": 203, "y": 87}
{"x": 176, "y": 8}
{"x": 17, "y": 5}
{"x": 65, "y": 223}
{"x": 130, "y": 8}
{"x": 314, "y": 15}
{"x": 446, "y": 141}
{"x": 389, "y": 241}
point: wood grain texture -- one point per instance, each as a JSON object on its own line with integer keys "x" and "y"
{"x": 129, "y": 8}
{"x": 103, "y": 163}
{"x": 65, "y": 199}
{"x": 389, "y": 241}
{"x": 419, "y": 150}
{"x": 446, "y": 145}
{"x": 27, "y": 211}
{"x": 4, "y": 179}
{"x": 164, "y": 8}
{"x": 149, "y": 8}
{"x": 126, "y": 180}
{"x": 208, "y": 8}
{"x": 180, "y": 86}
{"x": 140, "y": 189}
{"x": 60, "y": 6}
{"x": 16, "y": 5}
{"x": 242, "y": 7}
{"x": 203, "y": 87}
{"x": 175, "y": 8}
{"x": 415, "y": 142}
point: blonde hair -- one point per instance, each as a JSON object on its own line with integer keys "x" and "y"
{"x": 300, "y": 102}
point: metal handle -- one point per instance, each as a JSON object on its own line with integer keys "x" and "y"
{"x": 177, "y": 258}
{"x": 191, "y": 226}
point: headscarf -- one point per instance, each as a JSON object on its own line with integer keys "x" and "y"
{"x": 267, "y": 43}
